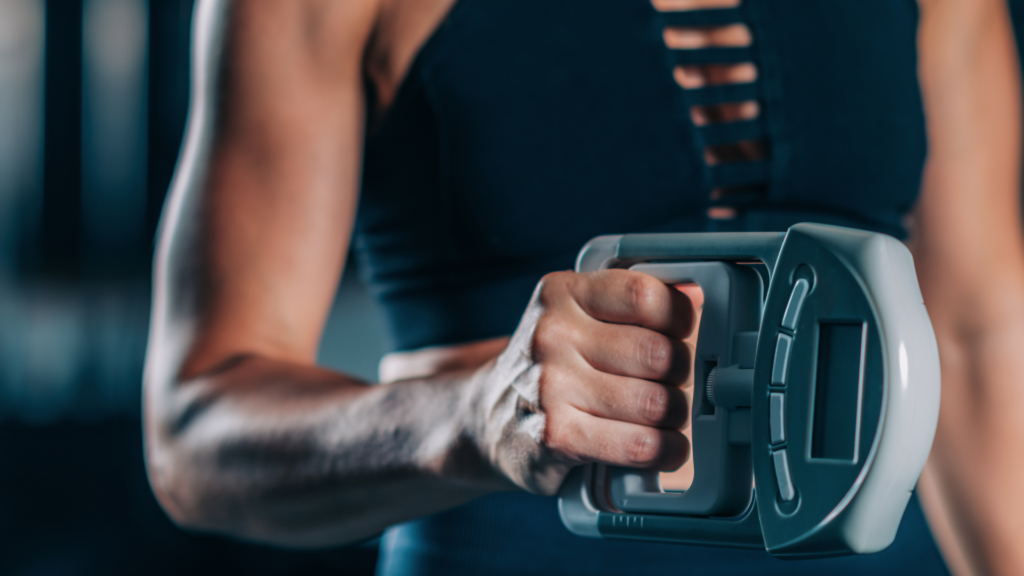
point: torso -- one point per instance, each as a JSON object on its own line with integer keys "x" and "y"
{"x": 506, "y": 133}
{"x": 405, "y": 25}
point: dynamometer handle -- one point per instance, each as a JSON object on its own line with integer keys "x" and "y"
{"x": 825, "y": 386}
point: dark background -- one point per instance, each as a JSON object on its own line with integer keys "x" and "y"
{"x": 93, "y": 99}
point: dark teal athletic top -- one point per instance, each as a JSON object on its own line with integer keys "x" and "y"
{"x": 526, "y": 127}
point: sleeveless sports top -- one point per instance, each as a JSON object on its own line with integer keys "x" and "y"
{"x": 525, "y": 127}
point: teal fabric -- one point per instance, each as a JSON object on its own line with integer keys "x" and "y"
{"x": 526, "y": 127}
{"x": 521, "y": 534}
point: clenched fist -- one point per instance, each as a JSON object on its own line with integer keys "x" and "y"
{"x": 593, "y": 373}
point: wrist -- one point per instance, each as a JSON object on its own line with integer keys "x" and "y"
{"x": 480, "y": 402}
{"x": 457, "y": 447}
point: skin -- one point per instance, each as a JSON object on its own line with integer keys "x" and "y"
{"x": 967, "y": 245}
{"x": 246, "y": 435}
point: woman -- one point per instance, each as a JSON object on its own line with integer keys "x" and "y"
{"x": 489, "y": 140}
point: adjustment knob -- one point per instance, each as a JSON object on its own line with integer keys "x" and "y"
{"x": 709, "y": 386}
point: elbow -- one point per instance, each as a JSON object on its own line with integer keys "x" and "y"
{"x": 176, "y": 490}
{"x": 199, "y": 504}
{"x": 173, "y": 463}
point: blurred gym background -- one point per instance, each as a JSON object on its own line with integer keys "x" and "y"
{"x": 93, "y": 98}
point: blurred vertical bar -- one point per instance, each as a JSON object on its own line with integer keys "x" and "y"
{"x": 169, "y": 40}
{"x": 21, "y": 125}
{"x": 114, "y": 104}
{"x": 1017, "y": 17}
{"x": 58, "y": 246}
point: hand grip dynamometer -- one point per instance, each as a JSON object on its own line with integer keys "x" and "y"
{"x": 823, "y": 391}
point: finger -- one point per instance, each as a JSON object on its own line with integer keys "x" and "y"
{"x": 627, "y": 297}
{"x": 628, "y": 400}
{"x": 695, "y": 294}
{"x": 579, "y": 436}
{"x": 635, "y": 352}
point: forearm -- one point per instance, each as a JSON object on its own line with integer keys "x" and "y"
{"x": 297, "y": 455}
{"x": 969, "y": 253}
{"x": 971, "y": 487}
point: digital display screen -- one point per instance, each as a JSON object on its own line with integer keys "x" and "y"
{"x": 837, "y": 391}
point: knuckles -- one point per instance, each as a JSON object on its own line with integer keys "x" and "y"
{"x": 656, "y": 354}
{"x": 550, "y": 335}
{"x": 653, "y": 404}
{"x": 547, "y": 380}
{"x": 644, "y": 448}
{"x": 561, "y": 432}
{"x": 553, "y": 285}
{"x": 662, "y": 406}
{"x": 553, "y": 329}
{"x": 564, "y": 431}
{"x": 646, "y": 296}
{"x": 663, "y": 359}
{"x": 568, "y": 434}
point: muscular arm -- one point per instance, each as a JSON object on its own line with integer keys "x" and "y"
{"x": 244, "y": 434}
{"x": 970, "y": 257}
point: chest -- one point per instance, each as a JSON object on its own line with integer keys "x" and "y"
{"x": 522, "y": 125}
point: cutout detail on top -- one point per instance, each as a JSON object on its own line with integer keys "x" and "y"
{"x": 712, "y": 46}
{"x": 688, "y": 5}
{"x": 742, "y": 151}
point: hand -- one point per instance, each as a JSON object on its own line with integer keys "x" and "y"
{"x": 593, "y": 373}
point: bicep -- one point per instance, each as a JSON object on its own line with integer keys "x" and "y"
{"x": 967, "y": 234}
{"x": 258, "y": 221}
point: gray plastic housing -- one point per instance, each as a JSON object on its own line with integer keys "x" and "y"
{"x": 844, "y": 395}
{"x": 723, "y": 475}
